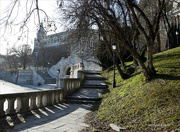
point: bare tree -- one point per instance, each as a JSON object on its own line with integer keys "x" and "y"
{"x": 117, "y": 15}
{"x": 32, "y": 11}
{"x": 24, "y": 53}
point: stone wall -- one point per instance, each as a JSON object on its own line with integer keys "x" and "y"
{"x": 25, "y": 77}
{"x": 9, "y": 76}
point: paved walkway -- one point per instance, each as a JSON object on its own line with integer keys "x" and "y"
{"x": 60, "y": 117}
{"x": 57, "y": 118}
{"x": 7, "y": 87}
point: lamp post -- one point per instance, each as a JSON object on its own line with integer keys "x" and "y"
{"x": 82, "y": 52}
{"x": 57, "y": 81}
{"x": 114, "y": 49}
{"x": 177, "y": 37}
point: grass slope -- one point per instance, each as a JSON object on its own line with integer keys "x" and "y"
{"x": 145, "y": 106}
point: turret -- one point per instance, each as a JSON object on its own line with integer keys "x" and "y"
{"x": 41, "y": 33}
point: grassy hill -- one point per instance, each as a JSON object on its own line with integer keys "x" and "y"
{"x": 145, "y": 106}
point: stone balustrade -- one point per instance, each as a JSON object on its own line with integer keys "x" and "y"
{"x": 70, "y": 85}
{"x": 21, "y": 102}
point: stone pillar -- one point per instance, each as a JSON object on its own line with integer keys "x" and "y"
{"x": 24, "y": 104}
{"x": 11, "y": 109}
{"x": 61, "y": 96}
{"x": 39, "y": 100}
{"x": 53, "y": 97}
{"x": 49, "y": 98}
{"x": 57, "y": 97}
{"x": 2, "y": 112}
{"x": 33, "y": 102}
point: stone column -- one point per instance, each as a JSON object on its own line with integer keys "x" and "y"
{"x": 61, "y": 96}
{"x": 11, "y": 109}
{"x": 2, "y": 112}
{"x": 24, "y": 104}
{"x": 49, "y": 98}
{"x": 57, "y": 97}
{"x": 33, "y": 102}
{"x": 39, "y": 101}
{"x": 53, "y": 97}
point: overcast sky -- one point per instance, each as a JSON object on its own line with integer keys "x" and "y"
{"x": 11, "y": 36}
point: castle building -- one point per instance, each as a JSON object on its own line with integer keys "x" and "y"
{"x": 49, "y": 49}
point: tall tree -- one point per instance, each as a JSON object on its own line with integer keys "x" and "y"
{"x": 116, "y": 15}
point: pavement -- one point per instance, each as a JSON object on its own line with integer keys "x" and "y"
{"x": 57, "y": 118}
{"x": 7, "y": 87}
{"x": 65, "y": 117}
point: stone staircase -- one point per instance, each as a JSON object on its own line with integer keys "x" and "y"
{"x": 93, "y": 86}
{"x": 48, "y": 79}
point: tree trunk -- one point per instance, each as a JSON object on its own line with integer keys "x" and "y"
{"x": 121, "y": 60}
{"x": 123, "y": 76}
{"x": 150, "y": 67}
{"x": 137, "y": 57}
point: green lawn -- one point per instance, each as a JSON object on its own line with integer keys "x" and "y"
{"x": 145, "y": 106}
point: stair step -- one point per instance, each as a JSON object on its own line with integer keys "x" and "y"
{"x": 95, "y": 78}
{"x": 82, "y": 98}
{"x": 92, "y": 72}
{"x": 95, "y": 86}
{"x": 79, "y": 101}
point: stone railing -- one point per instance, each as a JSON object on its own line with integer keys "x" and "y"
{"x": 21, "y": 102}
{"x": 70, "y": 85}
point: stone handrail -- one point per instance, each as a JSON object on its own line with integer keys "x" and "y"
{"x": 70, "y": 85}
{"x": 29, "y": 100}
{"x": 33, "y": 100}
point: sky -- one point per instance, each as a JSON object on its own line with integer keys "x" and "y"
{"x": 11, "y": 37}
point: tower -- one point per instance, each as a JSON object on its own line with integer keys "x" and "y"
{"x": 41, "y": 33}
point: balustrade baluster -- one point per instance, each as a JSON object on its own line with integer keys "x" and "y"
{"x": 73, "y": 85}
{"x": 61, "y": 96}
{"x": 11, "y": 109}
{"x": 70, "y": 86}
{"x": 39, "y": 100}
{"x": 57, "y": 97}
{"x": 33, "y": 102}
{"x": 53, "y": 97}
{"x": 24, "y": 104}
{"x": 49, "y": 98}
{"x": 2, "y": 112}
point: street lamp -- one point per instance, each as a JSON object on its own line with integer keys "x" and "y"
{"x": 114, "y": 49}
{"x": 57, "y": 81}
{"x": 82, "y": 52}
{"x": 177, "y": 37}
